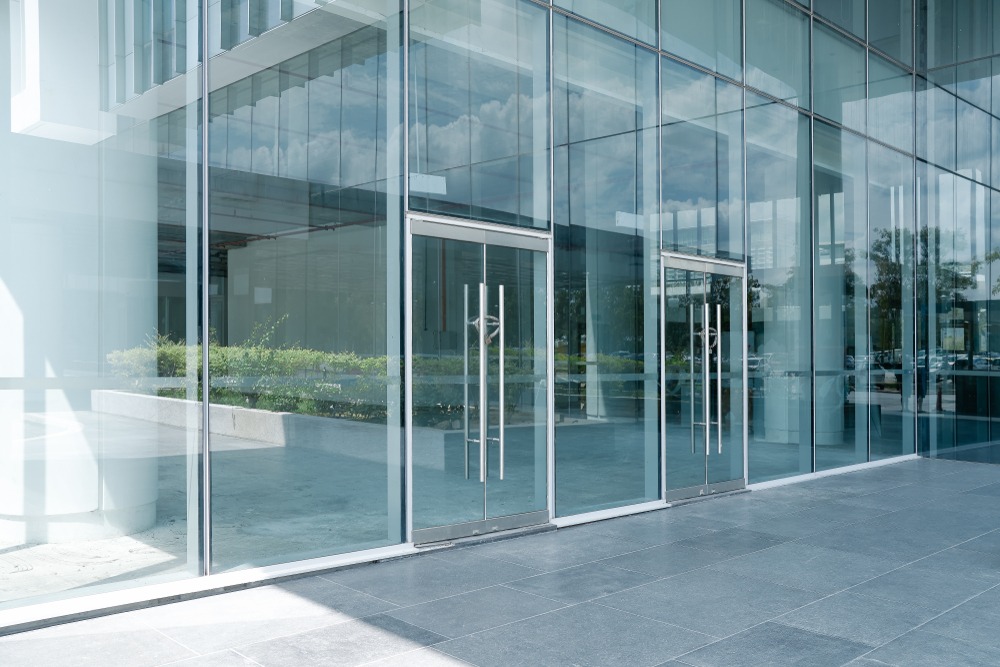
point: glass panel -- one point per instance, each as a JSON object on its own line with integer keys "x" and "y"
{"x": 702, "y": 208}
{"x": 973, "y": 148}
{"x": 780, "y": 250}
{"x": 727, "y": 299}
{"x": 305, "y": 228}
{"x": 936, "y": 276}
{"x": 848, "y": 14}
{"x": 606, "y": 271}
{"x": 706, "y": 33}
{"x": 99, "y": 283}
{"x": 844, "y": 365}
{"x": 635, "y": 18}
{"x": 778, "y": 50}
{"x": 522, "y": 273}
{"x": 896, "y": 392}
{"x": 890, "y": 103}
{"x": 447, "y": 486}
{"x": 970, "y": 367}
{"x": 684, "y": 377}
{"x": 890, "y": 28}
{"x": 839, "y": 92}
{"x": 936, "y": 124}
{"x": 479, "y": 110}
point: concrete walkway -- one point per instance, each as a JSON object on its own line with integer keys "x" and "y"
{"x": 897, "y": 565}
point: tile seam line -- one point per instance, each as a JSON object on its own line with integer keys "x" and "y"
{"x": 918, "y": 627}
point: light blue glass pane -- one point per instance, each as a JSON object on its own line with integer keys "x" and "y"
{"x": 839, "y": 88}
{"x": 305, "y": 222}
{"x": 635, "y": 18}
{"x": 936, "y": 124}
{"x": 707, "y": 33}
{"x": 896, "y": 390}
{"x": 606, "y": 259}
{"x": 842, "y": 358}
{"x": 479, "y": 110}
{"x": 702, "y": 208}
{"x": 890, "y": 103}
{"x": 780, "y": 251}
{"x": 100, "y": 406}
{"x": 890, "y": 28}
{"x": 848, "y": 14}
{"x": 973, "y": 147}
{"x": 778, "y": 50}
{"x": 974, "y": 82}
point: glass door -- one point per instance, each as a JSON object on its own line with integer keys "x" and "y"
{"x": 479, "y": 397}
{"x": 704, "y": 361}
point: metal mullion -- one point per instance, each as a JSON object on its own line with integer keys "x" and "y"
{"x": 550, "y": 278}
{"x": 206, "y": 457}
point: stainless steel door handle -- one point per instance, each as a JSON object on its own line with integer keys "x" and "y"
{"x": 482, "y": 382}
{"x": 718, "y": 373}
{"x": 707, "y": 389}
{"x": 465, "y": 375}
{"x": 502, "y": 424}
{"x": 691, "y": 374}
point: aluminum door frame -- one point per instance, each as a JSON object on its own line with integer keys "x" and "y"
{"x": 682, "y": 262}
{"x": 458, "y": 229}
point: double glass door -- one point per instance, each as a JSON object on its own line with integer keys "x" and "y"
{"x": 704, "y": 385}
{"x": 479, "y": 365}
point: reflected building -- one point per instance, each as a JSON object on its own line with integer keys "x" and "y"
{"x": 287, "y": 285}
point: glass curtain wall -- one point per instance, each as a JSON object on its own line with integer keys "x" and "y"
{"x": 606, "y": 270}
{"x": 842, "y": 361}
{"x": 897, "y": 389}
{"x": 779, "y": 248}
{"x": 478, "y": 110}
{"x": 701, "y": 209}
{"x": 99, "y": 369}
{"x": 304, "y": 288}
{"x": 708, "y": 33}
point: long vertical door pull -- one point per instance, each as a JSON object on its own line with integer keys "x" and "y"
{"x": 482, "y": 382}
{"x": 502, "y": 425}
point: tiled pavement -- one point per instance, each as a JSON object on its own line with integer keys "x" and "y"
{"x": 898, "y": 565}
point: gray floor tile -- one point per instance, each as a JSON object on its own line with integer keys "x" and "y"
{"x": 581, "y": 583}
{"x": 105, "y": 642}
{"x": 424, "y": 657}
{"x": 740, "y": 509}
{"x": 813, "y": 520}
{"x": 900, "y": 497}
{"x": 988, "y": 543}
{"x": 979, "y": 564}
{"x": 716, "y": 603}
{"x": 228, "y": 658}
{"x": 585, "y": 634}
{"x": 557, "y": 550}
{"x": 975, "y": 622}
{"x": 927, "y": 588}
{"x": 809, "y": 567}
{"x": 733, "y": 542}
{"x": 655, "y": 528}
{"x": 926, "y": 649}
{"x": 424, "y": 578}
{"x": 472, "y": 612}
{"x": 666, "y": 560}
{"x": 222, "y": 621}
{"x": 776, "y": 644}
{"x": 352, "y": 643}
{"x": 986, "y": 490}
{"x": 859, "y": 618}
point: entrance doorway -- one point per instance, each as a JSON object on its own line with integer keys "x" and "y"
{"x": 704, "y": 375}
{"x": 479, "y": 364}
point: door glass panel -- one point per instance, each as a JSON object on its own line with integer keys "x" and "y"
{"x": 479, "y": 430}
{"x": 520, "y": 487}
{"x": 703, "y": 378}
{"x": 725, "y": 296}
{"x": 445, "y": 405}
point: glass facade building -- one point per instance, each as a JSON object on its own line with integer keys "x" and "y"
{"x": 289, "y": 284}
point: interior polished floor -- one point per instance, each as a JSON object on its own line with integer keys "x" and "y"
{"x": 897, "y": 565}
